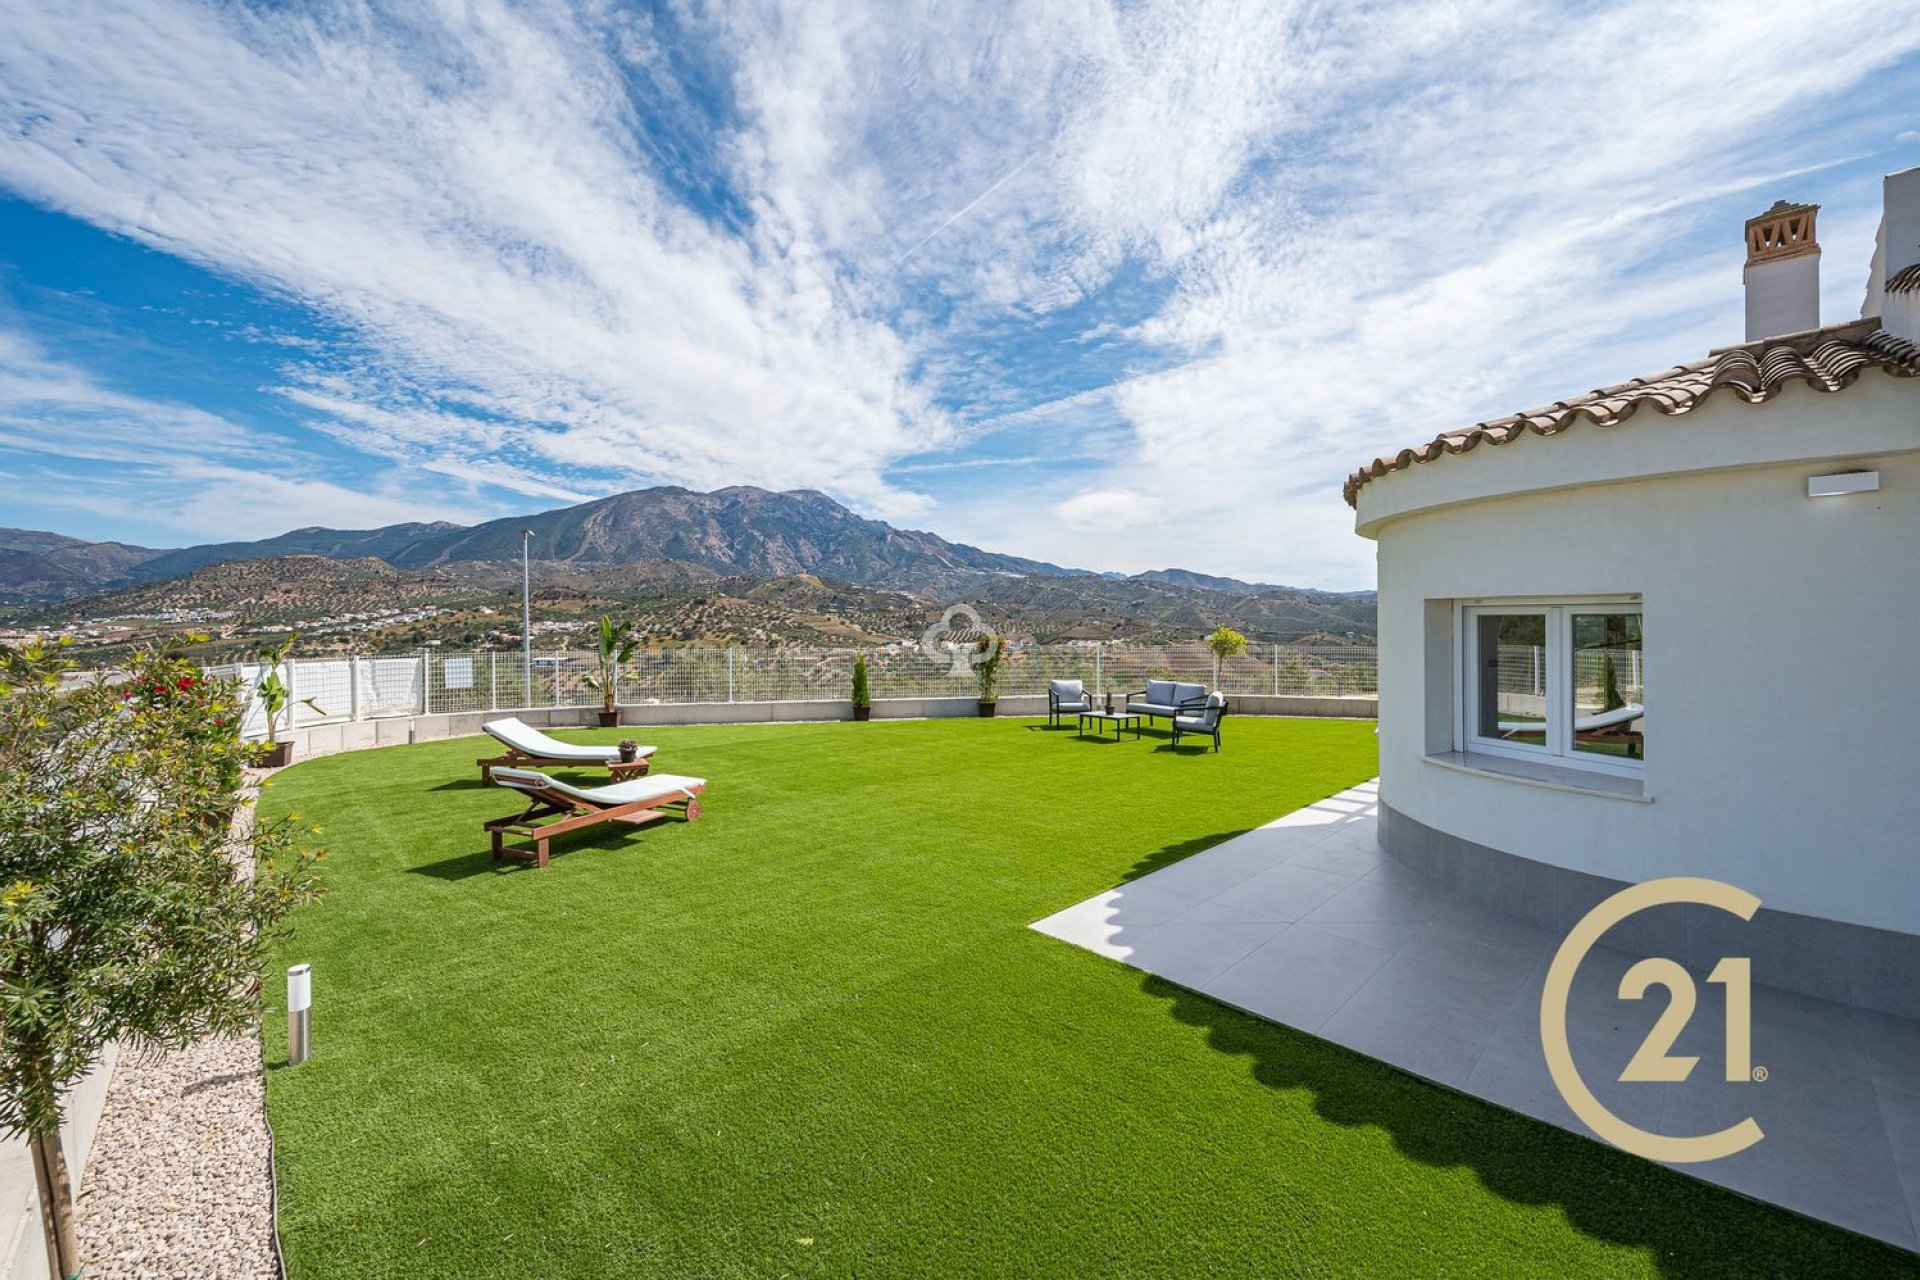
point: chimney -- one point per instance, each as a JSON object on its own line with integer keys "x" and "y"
{"x": 1897, "y": 257}
{"x": 1783, "y": 272}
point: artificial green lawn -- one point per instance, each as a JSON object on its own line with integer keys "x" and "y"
{"x": 811, "y": 1033}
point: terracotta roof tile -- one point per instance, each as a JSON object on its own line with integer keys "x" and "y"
{"x": 1825, "y": 359}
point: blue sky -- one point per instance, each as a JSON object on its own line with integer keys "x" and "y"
{"x": 1119, "y": 286}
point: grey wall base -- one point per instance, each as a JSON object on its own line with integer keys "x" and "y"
{"x": 1846, "y": 963}
{"x": 23, "y": 1250}
{"x": 329, "y": 739}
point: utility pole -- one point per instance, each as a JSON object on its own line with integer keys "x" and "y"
{"x": 526, "y": 615}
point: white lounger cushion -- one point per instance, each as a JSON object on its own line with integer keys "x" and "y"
{"x": 1585, "y": 724}
{"x": 529, "y": 741}
{"x": 656, "y": 786}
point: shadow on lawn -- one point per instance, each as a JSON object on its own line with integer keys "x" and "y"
{"x": 1688, "y": 1228}
{"x": 465, "y": 866}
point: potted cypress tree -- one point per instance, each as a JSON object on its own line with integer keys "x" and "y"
{"x": 993, "y": 652}
{"x": 862, "y": 699}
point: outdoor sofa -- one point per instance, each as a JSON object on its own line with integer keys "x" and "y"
{"x": 1167, "y": 699}
{"x": 526, "y": 746}
{"x": 556, "y": 807}
{"x": 1067, "y": 698}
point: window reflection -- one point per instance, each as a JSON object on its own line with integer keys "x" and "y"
{"x": 1513, "y": 677}
{"x": 1608, "y": 685}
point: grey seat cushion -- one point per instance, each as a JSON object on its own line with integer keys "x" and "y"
{"x": 1066, "y": 691}
{"x": 1151, "y": 709}
{"x": 1160, "y": 693}
{"x": 1187, "y": 693}
{"x": 1208, "y": 719}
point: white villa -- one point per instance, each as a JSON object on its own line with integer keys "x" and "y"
{"x": 1672, "y": 627}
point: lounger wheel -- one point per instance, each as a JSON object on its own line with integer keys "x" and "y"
{"x": 693, "y": 810}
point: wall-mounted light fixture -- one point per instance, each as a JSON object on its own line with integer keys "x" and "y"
{"x": 1843, "y": 482}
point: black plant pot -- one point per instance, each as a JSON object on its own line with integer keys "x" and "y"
{"x": 278, "y": 755}
{"x": 863, "y": 713}
{"x": 609, "y": 719}
{"x": 986, "y": 709}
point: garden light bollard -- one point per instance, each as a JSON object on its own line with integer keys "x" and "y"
{"x": 299, "y": 1014}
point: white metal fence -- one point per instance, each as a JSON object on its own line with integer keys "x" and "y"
{"x": 1523, "y": 668}
{"x": 438, "y": 681}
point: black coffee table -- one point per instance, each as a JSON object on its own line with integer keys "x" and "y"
{"x": 1118, "y": 719}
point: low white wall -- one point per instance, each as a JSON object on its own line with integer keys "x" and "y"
{"x": 330, "y": 739}
{"x": 21, "y": 1236}
{"x": 1782, "y": 684}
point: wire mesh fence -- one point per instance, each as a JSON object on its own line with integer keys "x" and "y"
{"x": 435, "y": 681}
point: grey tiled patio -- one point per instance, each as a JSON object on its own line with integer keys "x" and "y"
{"x": 1307, "y": 922}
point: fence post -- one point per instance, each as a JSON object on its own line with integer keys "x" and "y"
{"x": 353, "y": 689}
{"x": 293, "y": 699}
{"x": 493, "y": 679}
{"x": 729, "y": 673}
{"x": 426, "y": 681}
{"x": 1099, "y": 677}
{"x": 616, "y": 682}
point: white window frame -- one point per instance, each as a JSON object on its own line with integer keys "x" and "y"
{"x": 1558, "y": 747}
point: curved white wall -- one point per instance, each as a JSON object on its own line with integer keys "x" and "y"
{"x": 1782, "y": 651}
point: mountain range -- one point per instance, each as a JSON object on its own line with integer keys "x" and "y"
{"x": 669, "y": 544}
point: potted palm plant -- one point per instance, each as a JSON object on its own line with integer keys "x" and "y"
{"x": 993, "y": 651}
{"x": 275, "y": 698}
{"x": 613, "y": 646}
{"x": 862, "y": 699}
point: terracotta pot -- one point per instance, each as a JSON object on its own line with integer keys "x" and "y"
{"x": 278, "y": 755}
{"x": 862, "y": 713}
{"x": 609, "y": 719}
{"x": 986, "y": 709}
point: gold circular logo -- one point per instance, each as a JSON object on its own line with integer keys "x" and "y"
{"x": 1651, "y": 1062}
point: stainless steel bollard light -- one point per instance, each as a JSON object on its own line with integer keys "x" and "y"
{"x": 299, "y": 1013}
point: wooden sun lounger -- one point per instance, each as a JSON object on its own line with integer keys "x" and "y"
{"x": 528, "y": 748}
{"x": 556, "y": 808}
{"x": 1600, "y": 728}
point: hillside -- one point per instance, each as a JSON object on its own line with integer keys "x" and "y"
{"x": 50, "y": 566}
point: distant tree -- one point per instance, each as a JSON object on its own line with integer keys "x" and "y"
{"x": 129, "y": 909}
{"x": 1225, "y": 643}
{"x": 861, "y": 696}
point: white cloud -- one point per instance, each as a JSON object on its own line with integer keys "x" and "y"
{"x": 1314, "y": 233}
{"x": 1100, "y": 510}
{"x": 73, "y": 444}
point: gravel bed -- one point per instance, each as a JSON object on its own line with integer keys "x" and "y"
{"x": 178, "y": 1183}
